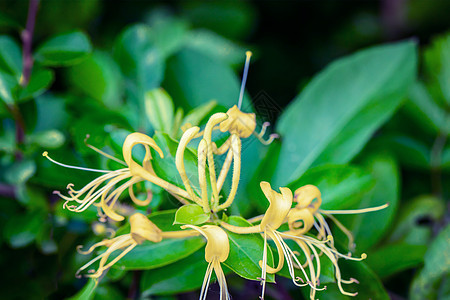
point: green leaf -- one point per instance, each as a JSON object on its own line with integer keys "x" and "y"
{"x": 437, "y": 266}
{"x": 196, "y": 115}
{"x": 394, "y": 258}
{"x": 87, "y": 292}
{"x": 64, "y": 49}
{"x": 139, "y": 59}
{"x": 49, "y": 139}
{"x": 408, "y": 227}
{"x": 369, "y": 228}
{"x": 7, "y": 85}
{"x": 246, "y": 251}
{"x": 342, "y": 106}
{"x": 22, "y": 229}
{"x": 10, "y": 56}
{"x": 216, "y": 47}
{"x": 409, "y": 151}
{"x": 195, "y": 78}
{"x": 182, "y": 276}
{"x": 40, "y": 81}
{"x": 159, "y": 109}
{"x": 341, "y": 186}
{"x": 20, "y": 172}
{"x": 425, "y": 111}
{"x": 98, "y": 77}
{"x": 191, "y": 214}
{"x": 151, "y": 255}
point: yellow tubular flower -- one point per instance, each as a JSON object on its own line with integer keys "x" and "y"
{"x": 141, "y": 229}
{"x": 216, "y": 252}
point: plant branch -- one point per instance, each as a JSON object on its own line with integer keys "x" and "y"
{"x": 27, "y": 40}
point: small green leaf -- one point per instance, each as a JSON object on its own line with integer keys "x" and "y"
{"x": 246, "y": 251}
{"x": 197, "y": 114}
{"x": 22, "y": 229}
{"x": 20, "y": 172}
{"x": 341, "y": 186}
{"x": 64, "y": 49}
{"x": 182, "y": 276}
{"x": 437, "y": 266}
{"x": 7, "y": 85}
{"x": 87, "y": 292}
{"x": 191, "y": 214}
{"x": 49, "y": 139}
{"x": 159, "y": 109}
{"x": 10, "y": 56}
{"x": 40, "y": 81}
{"x": 394, "y": 258}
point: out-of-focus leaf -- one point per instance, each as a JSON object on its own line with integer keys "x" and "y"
{"x": 51, "y": 105}
{"x": 246, "y": 251}
{"x": 437, "y": 65}
{"x": 87, "y": 292}
{"x": 64, "y": 49}
{"x": 394, "y": 258}
{"x": 10, "y": 56}
{"x": 20, "y": 172}
{"x": 107, "y": 292}
{"x": 216, "y": 46}
{"x": 168, "y": 33}
{"x": 437, "y": 266}
{"x": 7, "y": 84}
{"x": 414, "y": 224}
{"x": 98, "y": 77}
{"x": 369, "y": 228}
{"x": 6, "y": 21}
{"x": 194, "y": 78}
{"x": 341, "y": 186}
{"x": 22, "y": 229}
{"x": 182, "y": 276}
{"x": 40, "y": 81}
{"x": 339, "y": 110}
{"x": 49, "y": 139}
{"x": 425, "y": 111}
{"x": 196, "y": 115}
{"x": 230, "y": 19}
{"x": 159, "y": 109}
{"x": 191, "y": 214}
{"x": 407, "y": 150}
{"x": 138, "y": 58}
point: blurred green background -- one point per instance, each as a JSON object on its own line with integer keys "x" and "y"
{"x": 95, "y": 60}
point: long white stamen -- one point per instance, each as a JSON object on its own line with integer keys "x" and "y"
{"x": 45, "y": 154}
{"x": 248, "y": 54}
{"x": 354, "y": 211}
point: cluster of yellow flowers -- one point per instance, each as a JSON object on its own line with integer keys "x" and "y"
{"x": 300, "y": 210}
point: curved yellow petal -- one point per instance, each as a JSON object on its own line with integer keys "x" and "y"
{"x": 217, "y": 242}
{"x": 239, "y": 123}
{"x": 305, "y": 195}
{"x": 143, "y": 229}
{"x": 280, "y": 204}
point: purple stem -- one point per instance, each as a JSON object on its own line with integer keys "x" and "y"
{"x": 27, "y": 40}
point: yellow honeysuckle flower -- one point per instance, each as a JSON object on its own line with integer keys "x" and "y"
{"x": 103, "y": 188}
{"x": 141, "y": 229}
{"x": 216, "y": 251}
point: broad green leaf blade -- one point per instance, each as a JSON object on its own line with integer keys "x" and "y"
{"x": 437, "y": 266}
{"x": 98, "y": 77}
{"x": 40, "y": 81}
{"x": 341, "y": 186}
{"x": 20, "y": 172}
{"x": 196, "y": 115}
{"x": 338, "y": 99}
{"x": 151, "y": 255}
{"x": 64, "y": 49}
{"x": 159, "y": 109}
{"x": 22, "y": 229}
{"x": 10, "y": 56}
{"x": 194, "y": 79}
{"x": 48, "y": 139}
{"x": 246, "y": 250}
{"x": 87, "y": 292}
{"x": 182, "y": 276}
{"x": 369, "y": 228}
{"x": 191, "y": 214}
{"x": 395, "y": 258}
